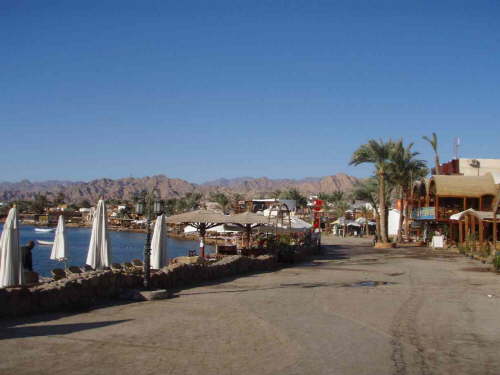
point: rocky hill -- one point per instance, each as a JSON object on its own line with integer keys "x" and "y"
{"x": 125, "y": 188}
{"x": 313, "y": 185}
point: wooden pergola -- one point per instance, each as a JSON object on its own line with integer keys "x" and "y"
{"x": 471, "y": 222}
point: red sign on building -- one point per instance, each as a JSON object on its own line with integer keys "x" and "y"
{"x": 318, "y": 204}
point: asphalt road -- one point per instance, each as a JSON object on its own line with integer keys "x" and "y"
{"x": 415, "y": 312}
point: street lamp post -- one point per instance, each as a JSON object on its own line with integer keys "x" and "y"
{"x": 149, "y": 205}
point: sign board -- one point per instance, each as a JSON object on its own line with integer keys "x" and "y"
{"x": 437, "y": 242}
{"x": 318, "y": 203}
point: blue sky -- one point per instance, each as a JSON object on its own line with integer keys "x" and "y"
{"x": 208, "y": 89}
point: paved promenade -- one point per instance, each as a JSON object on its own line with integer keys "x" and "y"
{"x": 417, "y": 312}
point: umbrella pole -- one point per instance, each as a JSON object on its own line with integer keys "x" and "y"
{"x": 202, "y": 240}
{"x": 147, "y": 256}
{"x": 249, "y": 231}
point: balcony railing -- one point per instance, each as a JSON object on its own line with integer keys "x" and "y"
{"x": 445, "y": 212}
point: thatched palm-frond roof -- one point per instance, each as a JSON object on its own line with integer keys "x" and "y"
{"x": 247, "y": 218}
{"x": 463, "y": 186}
{"x": 199, "y": 216}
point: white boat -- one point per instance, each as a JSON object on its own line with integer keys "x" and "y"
{"x": 44, "y": 230}
{"x": 45, "y": 243}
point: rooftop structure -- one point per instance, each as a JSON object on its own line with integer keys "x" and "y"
{"x": 439, "y": 197}
{"x": 470, "y": 167}
{"x": 262, "y": 204}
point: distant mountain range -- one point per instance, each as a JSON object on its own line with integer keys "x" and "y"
{"x": 124, "y": 188}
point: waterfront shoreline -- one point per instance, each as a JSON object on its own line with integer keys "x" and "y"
{"x": 178, "y": 236}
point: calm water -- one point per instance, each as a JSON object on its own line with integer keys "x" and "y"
{"x": 125, "y": 247}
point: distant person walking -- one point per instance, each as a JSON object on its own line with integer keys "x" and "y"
{"x": 27, "y": 256}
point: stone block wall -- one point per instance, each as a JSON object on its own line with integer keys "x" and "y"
{"x": 88, "y": 289}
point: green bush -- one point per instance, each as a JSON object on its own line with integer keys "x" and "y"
{"x": 485, "y": 250}
{"x": 496, "y": 261}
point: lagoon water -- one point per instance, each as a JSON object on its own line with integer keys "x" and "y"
{"x": 125, "y": 247}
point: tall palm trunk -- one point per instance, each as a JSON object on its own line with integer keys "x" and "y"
{"x": 401, "y": 216}
{"x": 377, "y": 225}
{"x": 408, "y": 211}
{"x": 438, "y": 168}
{"x": 383, "y": 213}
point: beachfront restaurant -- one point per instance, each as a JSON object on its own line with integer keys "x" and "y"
{"x": 444, "y": 203}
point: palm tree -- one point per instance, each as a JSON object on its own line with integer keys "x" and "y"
{"x": 221, "y": 199}
{"x": 294, "y": 194}
{"x": 276, "y": 194}
{"x": 189, "y": 202}
{"x": 403, "y": 169}
{"x": 40, "y": 203}
{"x": 365, "y": 213}
{"x": 378, "y": 153}
{"x": 337, "y": 196}
{"x": 325, "y": 197}
{"x": 368, "y": 191}
{"x": 340, "y": 208}
{"x": 434, "y": 144}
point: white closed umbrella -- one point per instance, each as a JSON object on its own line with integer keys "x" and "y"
{"x": 99, "y": 254}
{"x": 60, "y": 251}
{"x": 159, "y": 244}
{"x": 11, "y": 260}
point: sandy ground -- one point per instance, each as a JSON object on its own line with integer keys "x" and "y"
{"x": 437, "y": 314}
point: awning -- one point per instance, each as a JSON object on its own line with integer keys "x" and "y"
{"x": 481, "y": 215}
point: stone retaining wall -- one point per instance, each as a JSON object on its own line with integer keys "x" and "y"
{"x": 88, "y": 289}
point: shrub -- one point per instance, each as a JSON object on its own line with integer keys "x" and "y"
{"x": 496, "y": 261}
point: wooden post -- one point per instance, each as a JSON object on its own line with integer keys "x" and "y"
{"x": 473, "y": 231}
{"x": 494, "y": 232}
{"x": 436, "y": 204}
{"x": 481, "y": 233}
{"x": 248, "y": 235}
{"x": 460, "y": 232}
{"x": 450, "y": 235}
{"x": 202, "y": 239}
{"x": 466, "y": 228}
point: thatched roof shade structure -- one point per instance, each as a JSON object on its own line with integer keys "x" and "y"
{"x": 248, "y": 218}
{"x": 199, "y": 216}
{"x": 201, "y": 220}
{"x": 462, "y": 186}
{"x": 248, "y": 221}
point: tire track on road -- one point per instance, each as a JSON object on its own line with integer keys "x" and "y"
{"x": 404, "y": 328}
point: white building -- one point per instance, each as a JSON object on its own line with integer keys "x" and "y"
{"x": 268, "y": 202}
{"x": 470, "y": 167}
{"x": 393, "y": 222}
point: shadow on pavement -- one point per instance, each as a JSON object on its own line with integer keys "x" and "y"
{"x": 53, "y": 329}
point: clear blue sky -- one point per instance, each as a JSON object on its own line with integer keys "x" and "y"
{"x": 200, "y": 90}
